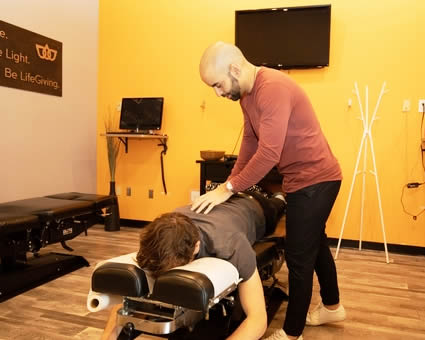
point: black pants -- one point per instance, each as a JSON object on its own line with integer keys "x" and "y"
{"x": 307, "y": 251}
{"x": 273, "y": 209}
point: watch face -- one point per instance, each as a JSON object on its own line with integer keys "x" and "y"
{"x": 229, "y": 186}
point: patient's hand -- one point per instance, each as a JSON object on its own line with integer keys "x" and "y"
{"x": 211, "y": 199}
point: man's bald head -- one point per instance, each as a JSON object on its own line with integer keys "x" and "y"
{"x": 226, "y": 70}
{"x": 218, "y": 57}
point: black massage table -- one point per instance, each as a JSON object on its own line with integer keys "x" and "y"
{"x": 28, "y": 225}
{"x": 183, "y": 303}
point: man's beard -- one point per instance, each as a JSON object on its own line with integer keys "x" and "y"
{"x": 235, "y": 91}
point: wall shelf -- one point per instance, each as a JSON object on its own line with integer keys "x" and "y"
{"x": 123, "y": 137}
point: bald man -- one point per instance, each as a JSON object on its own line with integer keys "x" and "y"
{"x": 281, "y": 129}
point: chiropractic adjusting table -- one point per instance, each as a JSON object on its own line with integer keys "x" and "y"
{"x": 195, "y": 301}
{"x": 31, "y": 224}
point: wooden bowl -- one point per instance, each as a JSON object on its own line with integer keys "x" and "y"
{"x": 211, "y": 155}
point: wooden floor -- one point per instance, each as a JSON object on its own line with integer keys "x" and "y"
{"x": 383, "y": 301}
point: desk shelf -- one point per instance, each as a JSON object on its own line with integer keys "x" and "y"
{"x": 123, "y": 137}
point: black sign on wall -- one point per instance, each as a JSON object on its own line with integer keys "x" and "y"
{"x": 30, "y": 61}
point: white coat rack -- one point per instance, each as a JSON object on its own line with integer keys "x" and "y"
{"x": 367, "y": 136}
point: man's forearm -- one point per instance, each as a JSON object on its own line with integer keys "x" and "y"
{"x": 246, "y": 152}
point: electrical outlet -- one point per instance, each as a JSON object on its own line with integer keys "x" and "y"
{"x": 421, "y": 105}
{"x": 128, "y": 191}
{"x": 119, "y": 106}
{"x": 118, "y": 190}
{"x": 406, "y": 105}
{"x": 150, "y": 193}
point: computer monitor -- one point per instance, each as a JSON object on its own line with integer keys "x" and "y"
{"x": 141, "y": 114}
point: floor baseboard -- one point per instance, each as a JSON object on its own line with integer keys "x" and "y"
{"x": 392, "y": 248}
{"x": 133, "y": 223}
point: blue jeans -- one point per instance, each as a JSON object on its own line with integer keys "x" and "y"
{"x": 307, "y": 251}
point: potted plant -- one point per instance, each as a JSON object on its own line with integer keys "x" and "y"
{"x": 112, "y": 220}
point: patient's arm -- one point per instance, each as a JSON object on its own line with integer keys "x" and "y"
{"x": 252, "y": 300}
{"x": 112, "y": 330}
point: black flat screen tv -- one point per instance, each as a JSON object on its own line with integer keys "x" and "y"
{"x": 141, "y": 114}
{"x": 285, "y": 38}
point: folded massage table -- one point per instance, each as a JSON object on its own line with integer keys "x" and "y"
{"x": 28, "y": 225}
{"x": 195, "y": 301}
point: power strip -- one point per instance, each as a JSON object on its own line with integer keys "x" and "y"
{"x": 413, "y": 185}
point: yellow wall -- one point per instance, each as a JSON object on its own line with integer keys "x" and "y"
{"x": 152, "y": 48}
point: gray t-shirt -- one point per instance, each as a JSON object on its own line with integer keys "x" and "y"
{"x": 229, "y": 231}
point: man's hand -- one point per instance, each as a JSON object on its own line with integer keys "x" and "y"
{"x": 211, "y": 199}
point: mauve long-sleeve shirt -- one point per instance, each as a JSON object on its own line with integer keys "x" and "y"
{"x": 281, "y": 129}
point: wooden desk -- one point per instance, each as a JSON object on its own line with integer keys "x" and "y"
{"x": 218, "y": 171}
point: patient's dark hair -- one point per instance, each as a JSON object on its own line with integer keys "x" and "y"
{"x": 168, "y": 241}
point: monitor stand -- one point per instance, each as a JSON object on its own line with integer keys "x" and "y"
{"x": 142, "y": 132}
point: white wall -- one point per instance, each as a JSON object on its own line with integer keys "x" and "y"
{"x": 48, "y": 143}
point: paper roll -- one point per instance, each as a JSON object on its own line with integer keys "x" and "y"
{"x": 97, "y": 301}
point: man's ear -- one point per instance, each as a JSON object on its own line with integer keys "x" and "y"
{"x": 197, "y": 247}
{"x": 235, "y": 70}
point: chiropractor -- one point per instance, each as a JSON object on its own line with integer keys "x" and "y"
{"x": 281, "y": 129}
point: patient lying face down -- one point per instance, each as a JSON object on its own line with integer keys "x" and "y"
{"x": 227, "y": 232}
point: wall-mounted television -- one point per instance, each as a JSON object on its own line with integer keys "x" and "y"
{"x": 141, "y": 114}
{"x": 285, "y": 38}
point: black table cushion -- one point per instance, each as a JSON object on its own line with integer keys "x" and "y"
{"x": 100, "y": 201}
{"x": 9, "y": 222}
{"x": 184, "y": 288}
{"x": 120, "y": 279}
{"x": 46, "y": 208}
